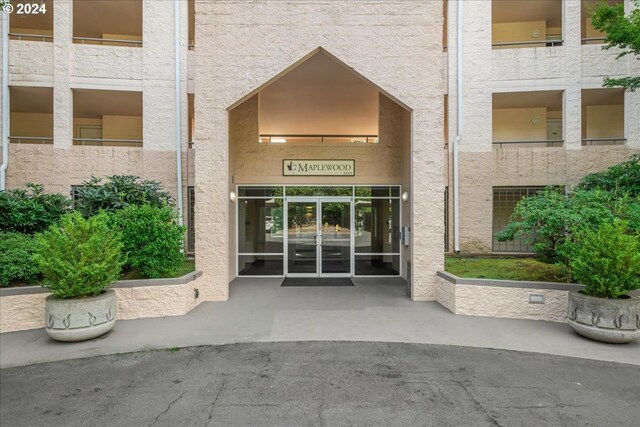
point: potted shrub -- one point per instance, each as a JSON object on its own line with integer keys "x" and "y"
{"x": 607, "y": 261}
{"x": 78, "y": 258}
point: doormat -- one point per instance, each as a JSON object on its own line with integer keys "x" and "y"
{"x": 317, "y": 281}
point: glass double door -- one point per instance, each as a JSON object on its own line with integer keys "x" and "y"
{"x": 319, "y": 238}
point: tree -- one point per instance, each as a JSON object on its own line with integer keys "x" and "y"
{"x": 623, "y": 32}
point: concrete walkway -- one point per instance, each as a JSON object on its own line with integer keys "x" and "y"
{"x": 259, "y": 310}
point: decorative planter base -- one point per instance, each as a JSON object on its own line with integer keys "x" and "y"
{"x": 80, "y": 319}
{"x": 614, "y": 321}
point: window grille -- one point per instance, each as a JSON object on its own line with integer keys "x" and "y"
{"x": 446, "y": 219}
{"x": 191, "y": 229}
{"x": 504, "y": 201}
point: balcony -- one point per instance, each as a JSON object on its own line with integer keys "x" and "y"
{"x": 108, "y": 22}
{"x": 31, "y": 115}
{"x": 603, "y": 117}
{"x": 589, "y": 34}
{"x": 526, "y": 24}
{"x": 107, "y": 118}
{"x": 31, "y": 26}
{"x": 527, "y": 119}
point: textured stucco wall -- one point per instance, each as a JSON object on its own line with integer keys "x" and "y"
{"x": 511, "y": 303}
{"x": 499, "y": 301}
{"x": 22, "y": 312}
{"x": 245, "y": 53}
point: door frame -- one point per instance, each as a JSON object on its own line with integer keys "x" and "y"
{"x": 318, "y": 200}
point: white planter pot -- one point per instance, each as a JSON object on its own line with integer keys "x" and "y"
{"x": 80, "y": 319}
{"x": 602, "y": 319}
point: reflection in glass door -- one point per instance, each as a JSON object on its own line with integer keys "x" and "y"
{"x": 319, "y": 237}
{"x": 335, "y": 237}
{"x": 302, "y": 229}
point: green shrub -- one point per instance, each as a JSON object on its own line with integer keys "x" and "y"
{"x": 79, "y": 257}
{"x": 623, "y": 178}
{"x": 548, "y": 219}
{"x": 30, "y": 211}
{"x": 152, "y": 238}
{"x": 118, "y": 192}
{"x": 607, "y": 260}
{"x": 16, "y": 263}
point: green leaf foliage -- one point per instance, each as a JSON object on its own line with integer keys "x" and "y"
{"x": 16, "y": 263}
{"x": 153, "y": 240}
{"x": 623, "y": 178}
{"x": 79, "y": 257}
{"x": 607, "y": 260}
{"x": 30, "y": 210}
{"x": 623, "y": 33}
{"x": 118, "y": 192}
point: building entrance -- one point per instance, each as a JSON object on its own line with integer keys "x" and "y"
{"x": 318, "y": 230}
{"x": 319, "y": 236}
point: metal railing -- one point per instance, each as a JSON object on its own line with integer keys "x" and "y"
{"x": 191, "y": 46}
{"x": 296, "y": 138}
{"x": 107, "y": 42}
{"x": 528, "y": 143}
{"x": 531, "y": 43}
{"x": 43, "y": 140}
{"x": 593, "y": 40}
{"x": 604, "y": 141}
{"x": 31, "y": 37}
{"x": 94, "y": 142}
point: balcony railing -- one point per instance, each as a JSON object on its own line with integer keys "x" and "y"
{"x": 107, "y": 42}
{"x": 531, "y": 43}
{"x": 593, "y": 40}
{"x": 192, "y": 45}
{"x": 604, "y": 141}
{"x": 530, "y": 143}
{"x": 42, "y": 140}
{"x": 31, "y": 37}
{"x": 93, "y": 142}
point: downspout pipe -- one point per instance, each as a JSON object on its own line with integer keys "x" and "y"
{"x": 178, "y": 111}
{"x": 5, "y": 101}
{"x": 456, "y": 141}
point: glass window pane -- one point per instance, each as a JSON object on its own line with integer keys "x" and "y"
{"x": 377, "y": 225}
{"x": 393, "y": 191}
{"x": 260, "y": 265}
{"x": 259, "y": 191}
{"x": 260, "y": 228}
{"x": 377, "y": 265}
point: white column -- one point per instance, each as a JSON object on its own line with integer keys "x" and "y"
{"x": 62, "y": 96}
{"x": 572, "y": 113}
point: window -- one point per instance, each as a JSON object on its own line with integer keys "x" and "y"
{"x": 504, "y": 201}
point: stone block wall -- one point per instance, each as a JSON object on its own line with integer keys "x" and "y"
{"x": 498, "y": 298}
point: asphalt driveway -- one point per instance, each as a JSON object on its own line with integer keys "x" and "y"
{"x": 321, "y": 383}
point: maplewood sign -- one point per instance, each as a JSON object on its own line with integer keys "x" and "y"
{"x": 318, "y": 167}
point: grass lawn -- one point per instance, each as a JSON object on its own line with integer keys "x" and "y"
{"x": 504, "y": 269}
{"x": 188, "y": 265}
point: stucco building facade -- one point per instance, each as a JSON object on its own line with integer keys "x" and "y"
{"x": 374, "y": 83}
